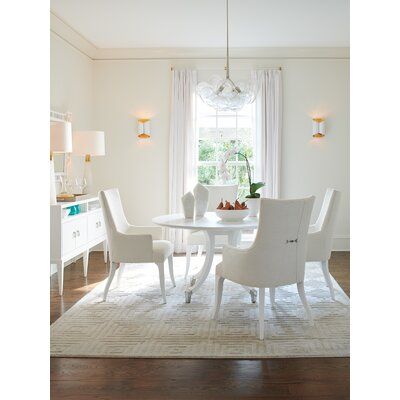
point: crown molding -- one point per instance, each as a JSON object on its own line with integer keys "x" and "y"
{"x": 220, "y": 53}
{"x": 63, "y": 30}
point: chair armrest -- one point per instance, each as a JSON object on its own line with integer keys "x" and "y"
{"x": 131, "y": 248}
{"x": 234, "y": 261}
{"x": 154, "y": 231}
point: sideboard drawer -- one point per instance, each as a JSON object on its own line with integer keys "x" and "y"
{"x": 96, "y": 225}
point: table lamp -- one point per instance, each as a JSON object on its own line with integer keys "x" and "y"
{"x": 60, "y": 142}
{"x": 88, "y": 144}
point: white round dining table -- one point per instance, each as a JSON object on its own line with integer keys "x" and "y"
{"x": 212, "y": 226}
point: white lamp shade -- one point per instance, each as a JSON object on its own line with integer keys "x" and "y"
{"x": 61, "y": 137}
{"x": 89, "y": 142}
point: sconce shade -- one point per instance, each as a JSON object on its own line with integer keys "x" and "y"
{"x": 89, "y": 143}
{"x": 144, "y": 128}
{"x": 318, "y": 127}
{"x": 61, "y": 137}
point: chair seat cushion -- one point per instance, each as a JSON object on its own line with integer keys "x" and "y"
{"x": 162, "y": 249}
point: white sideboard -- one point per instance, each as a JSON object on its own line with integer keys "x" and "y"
{"x": 73, "y": 235}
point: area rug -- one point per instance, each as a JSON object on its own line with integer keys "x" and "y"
{"x": 133, "y": 323}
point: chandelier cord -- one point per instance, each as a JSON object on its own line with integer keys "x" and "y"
{"x": 227, "y": 39}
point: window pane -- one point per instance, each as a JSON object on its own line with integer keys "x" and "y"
{"x": 247, "y": 110}
{"x": 207, "y": 150}
{"x": 227, "y": 127}
{"x": 223, "y": 147}
{"x": 243, "y": 177}
{"x": 203, "y": 109}
{"x": 206, "y": 175}
{"x": 242, "y": 193}
{"x": 232, "y": 174}
{"x": 207, "y": 127}
{"x": 245, "y": 147}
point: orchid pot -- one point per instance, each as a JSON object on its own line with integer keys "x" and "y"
{"x": 254, "y": 206}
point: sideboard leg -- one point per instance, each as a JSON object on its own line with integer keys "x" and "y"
{"x": 60, "y": 276}
{"x": 85, "y": 262}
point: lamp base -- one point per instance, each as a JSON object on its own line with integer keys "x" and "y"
{"x": 88, "y": 176}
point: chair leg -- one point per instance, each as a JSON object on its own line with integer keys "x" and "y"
{"x": 261, "y": 302}
{"x": 105, "y": 251}
{"x": 302, "y": 294}
{"x": 200, "y": 250}
{"x": 171, "y": 269}
{"x": 272, "y": 296}
{"x": 121, "y": 270}
{"x": 162, "y": 281}
{"x": 327, "y": 275}
{"x": 188, "y": 255}
{"x": 219, "y": 287}
{"x": 113, "y": 267}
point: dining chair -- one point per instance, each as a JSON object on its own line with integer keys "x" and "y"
{"x": 320, "y": 235}
{"x": 132, "y": 244}
{"x": 197, "y": 238}
{"x": 276, "y": 258}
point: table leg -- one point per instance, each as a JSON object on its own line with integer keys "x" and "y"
{"x": 197, "y": 280}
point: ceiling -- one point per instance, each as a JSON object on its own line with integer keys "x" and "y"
{"x": 201, "y": 23}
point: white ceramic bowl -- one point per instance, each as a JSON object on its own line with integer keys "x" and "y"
{"x": 232, "y": 215}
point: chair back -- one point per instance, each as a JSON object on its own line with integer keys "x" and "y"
{"x": 218, "y": 192}
{"x": 113, "y": 213}
{"x": 326, "y": 221}
{"x": 278, "y": 253}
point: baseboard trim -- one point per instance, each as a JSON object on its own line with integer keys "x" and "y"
{"x": 341, "y": 243}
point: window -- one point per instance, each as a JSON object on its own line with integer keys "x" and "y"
{"x": 218, "y": 132}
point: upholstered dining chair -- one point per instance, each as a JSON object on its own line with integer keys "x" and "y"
{"x": 197, "y": 238}
{"x": 132, "y": 244}
{"x": 276, "y": 258}
{"x": 320, "y": 235}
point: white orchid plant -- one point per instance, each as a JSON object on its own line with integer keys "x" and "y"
{"x": 225, "y": 176}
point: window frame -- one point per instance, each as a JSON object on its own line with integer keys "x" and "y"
{"x": 233, "y": 163}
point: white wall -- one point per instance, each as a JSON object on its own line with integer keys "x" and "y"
{"x": 71, "y": 89}
{"x": 317, "y": 87}
{"x": 123, "y": 92}
{"x": 71, "y": 86}
{"x": 111, "y": 94}
{"x": 127, "y": 89}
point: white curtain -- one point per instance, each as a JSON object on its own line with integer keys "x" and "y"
{"x": 182, "y": 146}
{"x": 268, "y": 121}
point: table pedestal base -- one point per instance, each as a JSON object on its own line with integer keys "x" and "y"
{"x": 197, "y": 280}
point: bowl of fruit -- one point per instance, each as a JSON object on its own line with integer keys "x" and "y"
{"x": 232, "y": 212}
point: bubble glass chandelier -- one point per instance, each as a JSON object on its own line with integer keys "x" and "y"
{"x": 225, "y": 94}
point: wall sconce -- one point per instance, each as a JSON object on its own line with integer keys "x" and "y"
{"x": 318, "y": 127}
{"x": 144, "y": 128}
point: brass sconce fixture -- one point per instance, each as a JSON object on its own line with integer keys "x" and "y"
{"x": 144, "y": 128}
{"x": 318, "y": 127}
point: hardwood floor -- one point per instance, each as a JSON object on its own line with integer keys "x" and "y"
{"x": 121, "y": 379}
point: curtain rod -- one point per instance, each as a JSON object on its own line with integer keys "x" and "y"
{"x": 242, "y": 69}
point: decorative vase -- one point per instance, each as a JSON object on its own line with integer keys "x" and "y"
{"x": 188, "y": 205}
{"x": 254, "y": 206}
{"x": 200, "y": 199}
